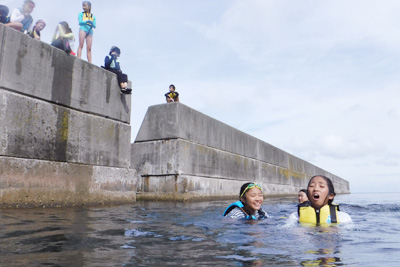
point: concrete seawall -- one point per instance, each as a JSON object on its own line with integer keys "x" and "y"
{"x": 64, "y": 128}
{"x": 183, "y": 154}
{"x": 65, "y": 140}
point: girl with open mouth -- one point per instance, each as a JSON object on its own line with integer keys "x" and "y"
{"x": 320, "y": 210}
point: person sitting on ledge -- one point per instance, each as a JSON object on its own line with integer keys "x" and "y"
{"x": 35, "y": 32}
{"x": 249, "y": 205}
{"x": 4, "y": 14}
{"x": 172, "y": 96}
{"x": 320, "y": 192}
{"x": 63, "y": 37}
{"x": 111, "y": 63}
{"x": 21, "y": 19}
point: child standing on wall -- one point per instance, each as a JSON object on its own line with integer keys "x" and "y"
{"x": 111, "y": 63}
{"x": 87, "y": 22}
{"x": 172, "y": 96}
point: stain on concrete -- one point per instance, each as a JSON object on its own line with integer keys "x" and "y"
{"x": 22, "y": 51}
{"x": 108, "y": 88}
{"x": 146, "y": 184}
{"x": 123, "y": 100}
{"x": 84, "y": 86}
{"x": 63, "y": 65}
{"x": 116, "y": 139}
{"x": 62, "y": 135}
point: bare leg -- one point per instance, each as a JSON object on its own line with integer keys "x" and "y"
{"x": 15, "y": 25}
{"x": 89, "y": 40}
{"x": 82, "y": 36}
{"x": 123, "y": 85}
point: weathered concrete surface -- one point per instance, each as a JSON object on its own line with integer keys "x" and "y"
{"x": 38, "y": 70}
{"x": 183, "y": 154}
{"x": 32, "y": 128}
{"x": 64, "y": 128}
{"x": 39, "y": 183}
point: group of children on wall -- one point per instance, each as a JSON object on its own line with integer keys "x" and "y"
{"x": 315, "y": 204}
{"x": 21, "y": 20}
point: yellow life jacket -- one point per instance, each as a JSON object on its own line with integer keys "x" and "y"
{"x": 326, "y": 215}
{"x": 172, "y": 95}
{"x": 87, "y": 16}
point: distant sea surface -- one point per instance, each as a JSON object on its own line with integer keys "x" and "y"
{"x": 196, "y": 234}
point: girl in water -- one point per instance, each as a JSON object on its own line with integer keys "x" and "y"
{"x": 302, "y": 196}
{"x": 320, "y": 192}
{"x": 249, "y": 205}
{"x": 87, "y": 22}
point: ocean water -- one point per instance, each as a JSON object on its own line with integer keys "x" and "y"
{"x": 196, "y": 234}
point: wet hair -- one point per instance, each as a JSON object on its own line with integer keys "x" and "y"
{"x": 65, "y": 27}
{"x": 244, "y": 187}
{"x": 173, "y": 86}
{"x": 89, "y": 4}
{"x": 331, "y": 188}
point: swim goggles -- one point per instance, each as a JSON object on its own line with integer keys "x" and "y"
{"x": 250, "y": 186}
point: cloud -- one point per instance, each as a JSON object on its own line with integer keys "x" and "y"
{"x": 344, "y": 148}
{"x": 329, "y": 45}
{"x": 251, "y": 26}
{"x": 390, "y": 160}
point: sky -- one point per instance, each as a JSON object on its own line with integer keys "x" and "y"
{"x": 317, "y": 79}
